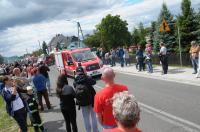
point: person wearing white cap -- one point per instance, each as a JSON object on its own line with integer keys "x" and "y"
{"x": 33, "y": 109}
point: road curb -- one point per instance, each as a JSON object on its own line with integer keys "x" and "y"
{"x": 164, "y": 78}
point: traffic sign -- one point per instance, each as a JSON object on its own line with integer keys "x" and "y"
{"x": 164, "y": 26}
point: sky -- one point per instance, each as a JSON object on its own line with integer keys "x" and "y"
{"x": 25, "y": 23}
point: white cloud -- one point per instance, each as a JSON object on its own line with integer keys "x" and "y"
{"x": 15, "y": 40}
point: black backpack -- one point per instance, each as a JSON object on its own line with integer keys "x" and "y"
{"x": 83, "y": 95}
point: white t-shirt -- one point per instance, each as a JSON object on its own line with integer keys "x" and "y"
{"x": 163, "y": 50}
{"x": 17, "y": 103}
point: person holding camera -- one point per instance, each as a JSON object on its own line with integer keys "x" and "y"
{"x": 14, "y": 103}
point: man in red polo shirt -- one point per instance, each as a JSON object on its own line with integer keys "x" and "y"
{"x": 103, "y": 99}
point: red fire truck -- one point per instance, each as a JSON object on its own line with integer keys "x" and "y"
{"x": 67, "y": 61}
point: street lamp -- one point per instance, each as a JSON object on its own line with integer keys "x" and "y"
{"x": 79, "y": 30}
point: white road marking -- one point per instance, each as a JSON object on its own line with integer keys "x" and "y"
{"x": 173, "y": 122}
{"x": 172, "y": 119}
{"x": 187, "y": 125}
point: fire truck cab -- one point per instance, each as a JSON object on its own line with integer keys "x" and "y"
{"x": 67, "y": 61}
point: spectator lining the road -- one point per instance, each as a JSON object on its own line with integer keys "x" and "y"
{"x": 121, "y": 56}
{"x": 127, "y": 56}
{"x": 126, "y": 112}
{"x": 198, "y": 72}
{"x": 44, "y": 69}
{"x": 67, "y": 104}
{"x": 140, "y": 57}
{"x": 33, "y": 108}
{"x": 103, "y": 99}
{"x": 85, "y": 98}
{"x": 39, "y": 82}
{"x": 148, "y": 57}
{"x": 163, "y": 58}
{"x": 194, "y": 55}
{"x": 14, "y": 103}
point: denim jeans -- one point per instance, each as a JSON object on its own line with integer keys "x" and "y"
{"x": 48, "y": 84}
{"x": 195, "y": 64}
{"x": 149, "y": 66}
{"x": 122, "y": 61}
{"x": 113, "y": 61}
{"x": 127, "y": 61}
{"x": 89, "y": 114}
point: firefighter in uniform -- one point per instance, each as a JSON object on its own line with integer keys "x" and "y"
{"x": 33, "y": 108}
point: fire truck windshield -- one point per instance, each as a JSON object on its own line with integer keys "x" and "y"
{"x": 83, "y": 55}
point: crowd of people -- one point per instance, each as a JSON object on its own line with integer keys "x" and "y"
{"x": 22, "y": 89}
{"x": 113, "y": 107}
{"x": 143, "y": 58}
{"x": 25, "y": 85}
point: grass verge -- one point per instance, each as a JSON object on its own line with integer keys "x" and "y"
{"x": 7, "y": 123}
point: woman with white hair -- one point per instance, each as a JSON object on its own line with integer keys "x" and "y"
{"x": 126, "y": 112}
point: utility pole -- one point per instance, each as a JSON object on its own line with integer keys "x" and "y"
{"x": 79, "y": 30}
{"x": 26, "y": 52}
{"x": 180, "y": 48}
{"x": 78, "y": 34}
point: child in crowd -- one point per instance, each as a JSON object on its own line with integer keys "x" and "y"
{"x": 33, "y": 108}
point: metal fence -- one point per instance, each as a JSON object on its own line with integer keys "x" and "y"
{"x": 173, "y": 59}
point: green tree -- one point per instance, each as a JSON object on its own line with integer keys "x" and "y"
{"x": 93, "y": 40}
{"x": 152, "y": 31}
{"x": 114, "y": 32}
{"x": 136, "y": 36}
{"x": 198, "y": 26}
{"x": 1, "y": 59}
{"x": 188, "y": 25}
{"x": 44, "y": 48}
{"x": 139, "y": 35}
{"x": 142, "y": 34}
{"x": 168, "y": 38}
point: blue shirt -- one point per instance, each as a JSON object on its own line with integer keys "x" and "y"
{"x": 139, "y": 53}
{"x": 121, "y": 53}
{"x": 39, "y": 82}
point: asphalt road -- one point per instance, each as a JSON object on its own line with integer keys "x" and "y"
{"x": 166, "y": 106}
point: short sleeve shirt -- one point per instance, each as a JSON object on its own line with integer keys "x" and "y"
{"x": 163, "y": 50}
{"x": 119, "y": 130}
{"x": 103, "y": 102}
